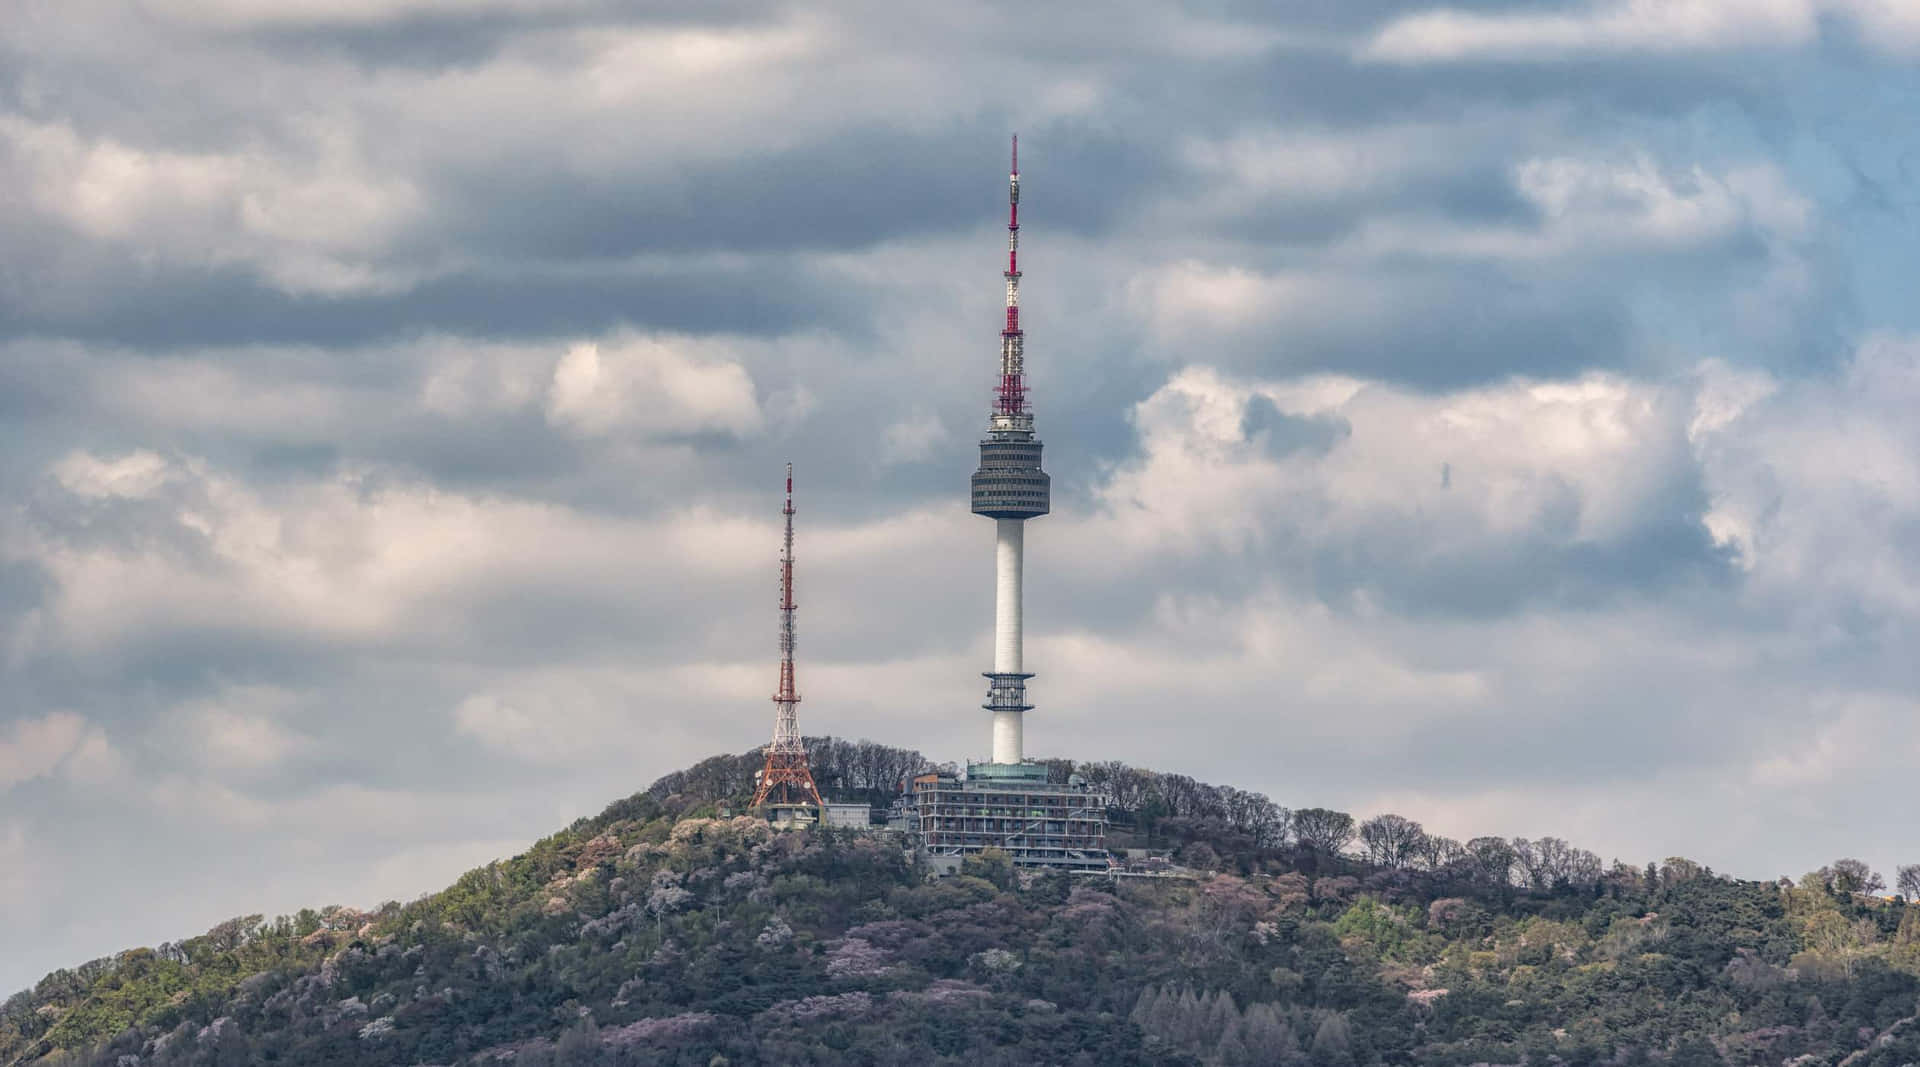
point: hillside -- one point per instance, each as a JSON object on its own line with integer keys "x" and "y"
{"x": 659, "y": 932}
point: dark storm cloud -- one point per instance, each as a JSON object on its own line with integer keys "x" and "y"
{"x": 1545, "y": 568}
{"x": 455, "y": 37}
{"x": 1551, "y": 568}
{"x": 858, "y": 188}
{"x": 1466, "y": 327}
{"x": 185, "y": 308}
{"x": 1282, "y": 433}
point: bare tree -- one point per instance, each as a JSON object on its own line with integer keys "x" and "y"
{"x": 1392, "y": 840}
{"x": 1490, "y": 861}
{"x": 1322, "y": 830}
{"x": 1908, "y": 880}
{"x": 1551, "y": 863}
{"x": 1437, "y": 852}
{"x": 1529, "y": 867}
{"x": 1582, "y": 868}
{"x": 1059, "y": 769}
{"x": 1128, "y": 786}
{"x": 1268, "y": 823}
{"x": 1179, "y": 793}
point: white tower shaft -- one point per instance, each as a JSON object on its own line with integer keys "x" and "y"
{"x": 1009, "y": 548}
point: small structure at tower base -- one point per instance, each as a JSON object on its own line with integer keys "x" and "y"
{"x": 791, "y": 816}
{"x": 1011, "y": 807}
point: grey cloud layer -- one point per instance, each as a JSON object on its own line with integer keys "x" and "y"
{"x": 1497, "y": 416}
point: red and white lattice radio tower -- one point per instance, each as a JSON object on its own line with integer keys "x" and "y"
{"x": 786, "y": 779}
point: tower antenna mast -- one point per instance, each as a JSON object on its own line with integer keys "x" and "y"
{"x": 1013, "y": 388}
{"x": 786, "y": 774}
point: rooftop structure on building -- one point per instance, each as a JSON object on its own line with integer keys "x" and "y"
{"x": 849, "y": 816}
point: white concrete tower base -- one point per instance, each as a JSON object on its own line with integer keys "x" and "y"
{"x": 1009, "y": 548}
{"x": 1007, "y": 726}
{"x": 1009, "y": 545}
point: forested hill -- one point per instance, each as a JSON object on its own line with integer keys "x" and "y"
{"x": 662, "y": 932}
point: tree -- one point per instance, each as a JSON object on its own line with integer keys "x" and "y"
{"x": 1551, "y": 863}
{"x": 1678, "y": 869}
{"x": 1058, "y": 769}
{"x": 1333, "y": 1041}
{"x": 1490, "y": 861}
{"x": 1260, "y": 818}
{"x": 1392, "y": 840}
{"x": 1322, "y": 831}
{"x": 1908, "y": 881}
{"x": 1128, "y": 786}
{"x": 992, "y": 864}
{"x": 1848, "y": 877}
{"x": 1181, "y": 794}
{"x": 1267, "y": 1037}
{"x": 1437, "y": 852}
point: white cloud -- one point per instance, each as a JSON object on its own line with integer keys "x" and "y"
{"x": 250, "y": 13}
{"x": 1835, "y": 745}
{"x": 94, "y": 761}
{"x": 465, "y": 378}
{"x": 1314, "y": 164}
{"x": 239, "y": 728}
{"x": 22, "y": 882}
{"x": 1191, "y": 298}
{"x": 553, "y": 723}
{"x": 205, "y": 801}
{"x": 652, "y": 387}
{"x": 1589, "y": 207}
{"x": 1318, "y": 165}
{"x": 311, "y": 226}
{"x": 61, "y": 743}
{"x": 35, "y": 748}
{"x": 1606, "y": 26}
{"x": 1600, "y": 458}
{"x": 1376, "y": 281}
{"x": 913, "y": 438}
{"x": 1817, "y": 484}
{"x": 1620, "y": 26}
{"x": 340, "y": 557}
{"x": 136, "y": 475}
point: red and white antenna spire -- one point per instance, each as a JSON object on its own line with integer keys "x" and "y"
{"x": 1013, "y": 387}
{"x": 786, "y": 768}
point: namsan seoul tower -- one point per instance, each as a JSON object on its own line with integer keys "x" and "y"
{"x": 1009, "y": 487}
{"x": 1008, "y": 804}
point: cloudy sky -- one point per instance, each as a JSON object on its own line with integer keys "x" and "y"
{"x": 1498, "y": 414}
